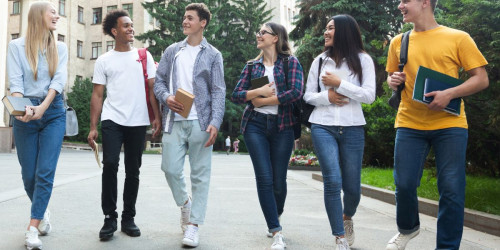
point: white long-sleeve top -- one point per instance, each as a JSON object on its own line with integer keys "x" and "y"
{"x": 350, "y": 114}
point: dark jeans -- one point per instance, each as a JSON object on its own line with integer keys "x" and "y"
{"x": 270, "y": 152}
{"x": 132, "y": 138}
{"x": 410, "y": 151}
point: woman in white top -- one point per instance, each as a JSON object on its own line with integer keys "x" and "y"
{"x": 347, "y": 79}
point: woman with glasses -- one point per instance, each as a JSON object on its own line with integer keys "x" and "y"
{"x": 36, "y": 65}
{"x": 347, "y": 79}
{"x": 267, "y": 123}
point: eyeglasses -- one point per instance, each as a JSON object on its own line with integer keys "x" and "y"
{"x": 263, "y": 32}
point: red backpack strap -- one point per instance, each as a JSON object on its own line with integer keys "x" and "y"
{"x": 143, "y": 57}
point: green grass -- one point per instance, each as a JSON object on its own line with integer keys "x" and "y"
{"x": 481, "y": 193}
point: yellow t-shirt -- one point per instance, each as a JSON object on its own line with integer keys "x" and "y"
{"x": 442, "y": 49}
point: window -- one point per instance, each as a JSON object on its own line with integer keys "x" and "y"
{"x": 289, "y": 15}
{"x": 96, "y": 49}
{"x": 96, "y": 15}
{"x": 128, "y": 7}
{"x": 112, "y": 7}
{"x": 110, "y": 45}
{"x": 15, "y": 36}
{"x": 60, "y": 37}
{"x": 79, "y": 49}
{"x": 80, "y": 14}
{"x": 79, "y": 78}
{"x": 62, "y": 7}
{"x": 16, "y": 7}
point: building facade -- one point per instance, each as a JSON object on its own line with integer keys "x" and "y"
{"x": 80, "y": 27}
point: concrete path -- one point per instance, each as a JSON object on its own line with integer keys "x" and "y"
{"x": 234, "y": 219}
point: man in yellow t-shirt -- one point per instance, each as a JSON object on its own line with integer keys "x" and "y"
{"x": 422, "y": 126}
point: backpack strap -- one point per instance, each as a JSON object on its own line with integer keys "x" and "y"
{"x": 143, "y": 58}
{"x": 285, "y": 66}
{"x": 403, "y": 53}
{"x": 250, "y": 68}
{"x": 319, "y": 71}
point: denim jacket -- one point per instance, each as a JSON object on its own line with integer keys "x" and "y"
{"x": 209, "y": 90}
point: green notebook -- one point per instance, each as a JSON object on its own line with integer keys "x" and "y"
{"x": 424, "y": 73}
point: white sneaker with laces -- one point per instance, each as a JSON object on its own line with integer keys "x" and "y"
{"x": 279, "y": 243}
{"x": 341, "y": 244}
{"x": 399, "y": 241}
{"x": 185, "y": 214}
{"x": 269, "y": 234}
{"x": 45, "y": 227}
{"x": 191, "y": 236}
{"x": 31, "y": 239}
{"x": 349, "y": 231}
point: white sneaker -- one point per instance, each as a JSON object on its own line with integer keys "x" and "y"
{"x": 191, "y": 236}
{"x": 279, "y": 243}
{"x": 349, "y": 231}
{"x": 341, "y": 244}
{"x": 44, "y": 227}
{"x": 269, "y": 234}
{"x": 399, "y": 241}
{"x": 32, "y": 241}
{"x": 185, "y": 214}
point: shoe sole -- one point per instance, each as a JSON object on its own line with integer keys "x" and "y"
{"x": 189, "y": 244}
{"x": 105, "y": 236}
{"x": 132, "y": 233}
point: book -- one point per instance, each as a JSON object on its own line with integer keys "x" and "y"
{"x": 259, "y": 82}
{"x": 16, "y": 105}
{"x": 186, "y": 99}
{"x": 424, "y": 73}
{"x": 96, "y": 154}
{"x": 431, "y": 85}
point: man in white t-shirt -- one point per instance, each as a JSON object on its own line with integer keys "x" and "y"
{"x": 124, "y": 119}
{"x": 195, "y": 66}
{"x": 228, "y": 144}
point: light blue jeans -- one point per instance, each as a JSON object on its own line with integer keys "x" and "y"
{"x": 410, "y": 152}
{"x": 38, "y": 145}
{"x": 340, "y": 154}
{"x": 188, "y": 136}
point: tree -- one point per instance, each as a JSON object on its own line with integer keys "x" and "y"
{"x": 231, "y": 30}
{"x": 379, "y": 21}
{"x": 482, "y": 109}
{"x": 79, "y": 100}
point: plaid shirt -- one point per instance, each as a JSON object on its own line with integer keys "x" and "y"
{"x": 287, "y": 93}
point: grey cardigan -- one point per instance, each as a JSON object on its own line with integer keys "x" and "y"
{"x": 208, "y": 84}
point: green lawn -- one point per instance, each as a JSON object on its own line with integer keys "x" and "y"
{"x": 481, "y": 193}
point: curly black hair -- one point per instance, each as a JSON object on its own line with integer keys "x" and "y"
{"x": 111, "y": 20}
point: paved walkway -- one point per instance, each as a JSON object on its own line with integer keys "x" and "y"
{"x": 234, "y": 219}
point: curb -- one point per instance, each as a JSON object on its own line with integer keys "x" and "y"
{"x": 480, "y": 221}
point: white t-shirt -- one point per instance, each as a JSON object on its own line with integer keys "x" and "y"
{"x": 269, "y": 109}
{"x": 184, "y": 65}
{"x": 121, "y": 73}
{"x": 228, "y": 142}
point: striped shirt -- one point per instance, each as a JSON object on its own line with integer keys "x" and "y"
{"x": 287, "y": 93}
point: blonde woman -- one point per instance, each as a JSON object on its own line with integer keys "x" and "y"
{"x": 36, "y": 66}
{"x": 267, "y": 123}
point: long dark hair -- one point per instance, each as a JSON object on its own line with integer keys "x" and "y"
{"x": 347, "y": 44}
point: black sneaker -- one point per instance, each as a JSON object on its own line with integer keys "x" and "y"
{"x": 108, "y": 229}
{"x": 130, "y": 228}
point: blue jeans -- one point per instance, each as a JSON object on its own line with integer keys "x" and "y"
{"x": 270, "y": 151}
{"x": 411, "y": 149}
{"x": 188, "y": 136}
{"x": 38, "y": 145}
{"x": 113, "y": 137}
{"x": 340, "y": 154}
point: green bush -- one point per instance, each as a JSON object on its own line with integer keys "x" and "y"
{"x": 79, "y": 100}
{"x": 379, "y": 133}
{"x": 301, "y": 152}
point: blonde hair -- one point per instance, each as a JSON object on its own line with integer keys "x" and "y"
{"x": 40, "y": 39}
{"x": 282, "y": 46}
